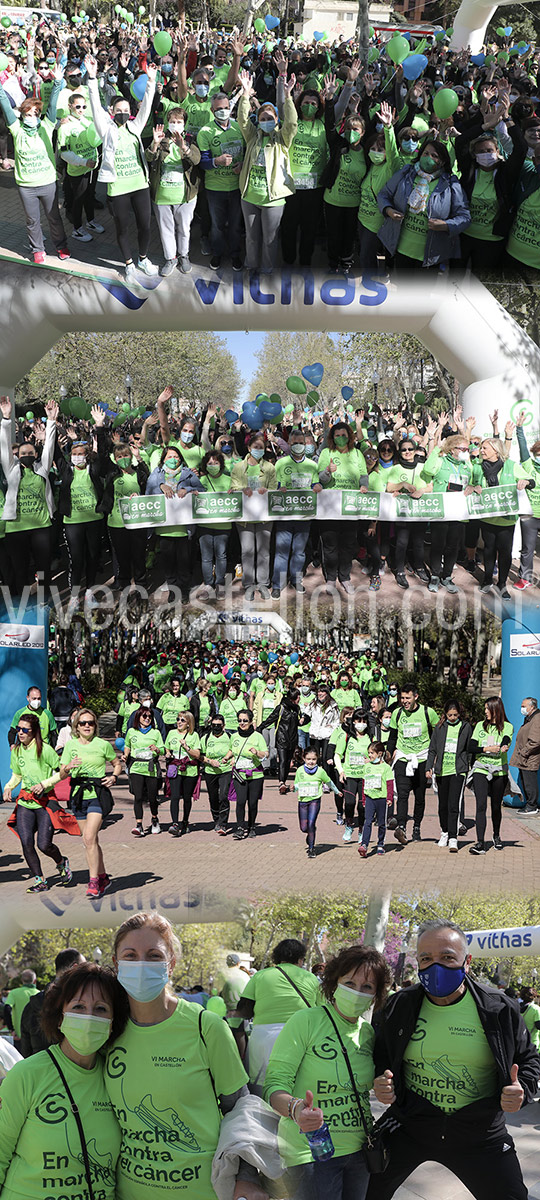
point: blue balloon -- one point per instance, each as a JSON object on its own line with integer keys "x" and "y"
{"x": 406, "y": 35}
{"x": 508, "y": 30}
{"x": 271, "y": 656}
{"x": 414, "y": 65}
{"x": 254, "y": 420}
{"x": 271, "y": 22}
{"x": 525, "y": 49}
{"x": 249, "y": 406}
{"x": 313, "y": 373}
{"x": 138, "y": 87}
{"x": 347, "y": 392}
{"x": 120, "y": 743}
{"x": 231, "y": 416}
{"x": 478, "y": 59}
{"x": 293, "y": 657}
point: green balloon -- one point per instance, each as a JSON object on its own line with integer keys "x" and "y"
{"x": 261, "y": 399}
{"x": 82, "y": 12}
{"x": 397, "y": 49}
{"x": 118, "y": 9}
{"x": 296, "y": 385}
{"x": 29, "y": 415}
{"x": 275, "y": 398}
{"x": 490, "y": 58}
{"x": 130, "y": 18}
{"x": 216, "y": 1004}
{"x": 3, "y": 62}
{"x": 371, "y": 31}
{"x": 77, "y": 407}
{"x": 65, "y": 406}
{"x": 445, "y": 103}
{"x": 503, "y": 57}
{"x": 312, "y": 399}
{"x": 125, "y": 407}
{"x": 500, "y": 31}
{"x": 63, "y": 17}
{"x": 513, "y": 50}
{"x": 373, "y": 54}
{"x": 263, "y": 657}
{"x": 259, "y": 25}
{"x": 288, "y": 661}
{"x": 264, "y": 641}
{"x": 289, "y": 408}
{"x": 420, "y": 397}
{"x": 141, "y": 9}
{"x": 6, "y": 22}
{"x": 209, "y": 646}
{"x": 162, "y": 43}
{"x": 440, "y": 35}
{"x": 92, "y": 136}
{"x": 522, "y": 45}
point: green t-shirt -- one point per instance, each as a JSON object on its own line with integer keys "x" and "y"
{"x": 229, "y": 708}
{"x": 351, "y": 465}
{"x": 446, "y": 472}
{"x": 297, "y": 475}
{"x": 346, "y": 190}
{"x": 413, "y": 728}
{"x": 216, "y": 748}
{"x": 242, "y": 747}
{"x": 257, "y": 186}
{"x": 346, "y": 698}
{"x": 411, "y": 475}
{"x": 355, "y": 751}
{"x": 274, "y": 999}
{"x": 62, "y": 107}
{"x": 124, "y": 486}
{"x": 32, "y": 511}
{"x": 130, "y": 176}
{"x": 125, "y": 710}
{"x": 191, "y": 454}
{"x": 531, "y": 1015}
{"x": 35, "y": 164}
{"x": 198, "y": 112}
{"x": 217, "y": 483}
{"x": 40, "y": 1148}
{"x": 218, "y": 141}
{"x": 17, "y": 1000}
{"x": 143, "y": 761}
{"x": 310, "y": 787}
{"x": 193, "y": 741}
{"x": 450, "y": 748}
{"x": 47, "y": 723}
{"x": 414, "y": 230}
{"x": 484, "y": 208}
{"x": 307, "y": 1054}
{"x": 376, "y": 777}
{"x": 161, "y": 1080}
{"x": 74, "y": 137}
{"x": 308, "y": 154}
{"x": 169, "y": 706}
{"x": 448, "y": 1060}
{"x": 498, "y": 764}
{"x": 95, "y": 755}
{"x": 171, "y": 188}
{"x": 83, "y": 499}
{"x": 24, "y": 761}
{"x": 524, "y": 240}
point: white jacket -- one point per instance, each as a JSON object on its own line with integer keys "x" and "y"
{"x": 108, "y": 131}
{"x": 248, "y": 1132}
{"x": 323, "y": 720}
{"x": 12, "y": 468}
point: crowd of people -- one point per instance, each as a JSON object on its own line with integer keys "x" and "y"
{"x": 448, "y": 1056}
{"x": 65, "y": 480}
{"x": 416, "y": 160}
{"x": 232, "y": 718}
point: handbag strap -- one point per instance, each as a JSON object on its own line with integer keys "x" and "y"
{"x": 77, "y": 1116}
{"x": 351, "y": 1077}
{"x": 289, "y": 980}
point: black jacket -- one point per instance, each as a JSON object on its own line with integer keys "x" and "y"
{"x": 286, "y": 718}
{"x": 435, "y": 756}
{"x": 508, "y": 1040}
{"x": 109, "y": 472}
{"x": 32, "y": 1037}
{"x": 506, "y": 175}
{"x": 65, "y": 477}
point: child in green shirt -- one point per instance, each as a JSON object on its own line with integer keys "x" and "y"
{"x": 377, "y": 795}
{"x": 308, "y": 784}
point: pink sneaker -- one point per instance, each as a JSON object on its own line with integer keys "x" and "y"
{"x": 362, "y": 850}
{"x": 93, "y": 889}
{"x": 521, "y": 584}
{"x": 63, "y": 253}
{"x": 39, "y": 256}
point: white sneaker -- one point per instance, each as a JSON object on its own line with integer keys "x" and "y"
{"x": 95, "y": 227}
{"x": 130, "y": 274}
{"x": 147, "y": 267}
{"x": 348, "y": 587}
{"x": 443, "y": 840}
{"x": 156, "y": 827}
{"x": 452, "y": 845}
{"x": 80, "y": 235}
{"x": 347, "y": 836}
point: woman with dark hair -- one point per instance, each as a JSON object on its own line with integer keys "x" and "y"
{"x": 29, "y": 502}
{"x": 285, "y": 718}
{"x": 489, "y": 179}
{"x": 215, "y": 747}
{"x": 35, "y": 766}
{"x": 308, "y": 157}
{"x": 341, "y": 465}
{"x": 248, "y": 749}
{"x": 123, "y": 479}
{"x": 142, "y": 748}
{"x": 448, "y": 759}
{"x": 407, "y": 477}
{"x": 80, "y": 491}
{"x": 426, "y": 209}
{"x": 84, "y": 1010}
{"x": 350, "y": 758}
{"x": 489, "y": 745}
{"x": 323, "y": 714}
{"x": 172, "y": 702}
{"x": 272, "y": 996}
{"x": 214, "y": 539}
{"x": 306, "y": 1085}
{"x": 342, "y": 182}
{"x": 183, "y": 750}
{"x": 84, "y": 759}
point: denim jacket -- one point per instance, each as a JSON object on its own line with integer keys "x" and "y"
{"x": 447, "y": 202}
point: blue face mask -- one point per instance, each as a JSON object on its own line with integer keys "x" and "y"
{"x": 310, "y": 449}
{"x": 309, "y": 770}
{"x": 409, "y": 146}
{"x": 201, "y": 89}
{"x": 257, "y": 453}
{"x": 143, "y": 981}
{"x": 267, "y": 126}
{"x": 186, "y": 436}
{"x": 441, "y": 981}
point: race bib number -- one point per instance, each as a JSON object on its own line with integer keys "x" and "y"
{"x": 412, "y": 731}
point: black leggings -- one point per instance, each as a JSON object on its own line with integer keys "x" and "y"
{"x": 497, "y": 541}
{"x": 490, "y": 1171}
{"x": 29, "y": 822}
{"x": 140, "y": 204}
{"x": 409, "y": 539}
{"x": 27, "y": 552}
{"x": 445, "y": 538}
{"x": 301, "y": 215}
{"x": 353, "y": 788}
{"x": 249, "y": 793}
{"x": 218, "y": 795}
{"x": 308, "y": 812}
{"x": 495, "y": 789}
{"x": 176, "y": 563}
{"x": 285, "y": 753}
{"x": 129, "y": 546}
{"x": 339, "y": 540}
{"x": 84, "y": 546}
{"x": 144, "y": 787}
{"x": 79, "y": 193}
{"x": 182, "y": 787}
{"x": 449, "y": 790}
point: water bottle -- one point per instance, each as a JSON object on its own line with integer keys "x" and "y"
{"x": 321, "y": 1144}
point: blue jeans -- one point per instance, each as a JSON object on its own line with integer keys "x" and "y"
{"x": 214, "y": 549}
{"x": 375, "y": 810}
{"x": 303, "y": 739}
{"x": 343, "y": 1178}
{"x": 291, "y": 541}
{"x": 226, "y": 217}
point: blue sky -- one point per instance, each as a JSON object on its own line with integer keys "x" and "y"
{"x": 244, "y": 347}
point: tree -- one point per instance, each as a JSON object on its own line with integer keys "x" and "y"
{"x": 403, "y": 364}
{"x": 197, "y": 364}
{"x": 284, "y": 354}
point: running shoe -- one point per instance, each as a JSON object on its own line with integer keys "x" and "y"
{"x": 138, "y": 831}
{"x": 312, "y": 853}
{"x": 497, "y": 843}
{"x": 174, "y": 828}
{"x": 339, "y": 820}
{"x": 104, "y": 882}
{"x": 443, "y": 840}
{"x": 147, "y": 267}
{"x": 521, "y": 584}
{"x": 40, "y": 885}
{"x": 39, "y": 257}
{"x": 400, "y": 835}
{"x": 362, "y": 850}
{"x": 95, "y": 227}
{"x": 347, "y": 836}
{"x": 156, "y": 827}
{"x": 478, "y": 848}
{"x": 65, "y": 872}
{"x": 93, "y": 889}
{"x": 381, "y": 850}
{"x": 453, "y": 845}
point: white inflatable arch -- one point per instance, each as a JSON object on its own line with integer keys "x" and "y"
{"x": 458, "y": 320}
{"x": 471, "y": 22}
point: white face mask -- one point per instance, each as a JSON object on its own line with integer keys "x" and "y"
{"x": 176, "y": 128}
{"x": 146, "y": 703}
{"x": 524, "y": 711}
{"x": 34, "y": 703}
{"x": 487, "y": 158}
{"x": 31, "y": 122}
{"x": 360, "y": 726}
{"x": 78, "y": 460}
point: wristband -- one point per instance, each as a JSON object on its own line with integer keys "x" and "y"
{"x": 294, "y": 1107}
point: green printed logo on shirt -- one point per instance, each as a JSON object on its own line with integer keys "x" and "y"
{"x": 148, "y": 509}
{"x": 217, "y": 505}
{"x": 360, "y": 504}
{"x": 292, "y": 504}
{"x": 494, "y": 502}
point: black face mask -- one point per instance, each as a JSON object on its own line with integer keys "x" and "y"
{"x": 121, "y": 118}
{"x": 74, "y": 81}
{"x": 216, "y": 730}
{"x": 26, "y": 460}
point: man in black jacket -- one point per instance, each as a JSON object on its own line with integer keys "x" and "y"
{"x": 451, "y": 1058}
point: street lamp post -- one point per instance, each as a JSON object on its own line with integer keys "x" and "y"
{"x": 129, "y": 388}
{"x": 375, "y": 381}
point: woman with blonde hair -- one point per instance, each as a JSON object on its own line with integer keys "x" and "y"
{"x": 450, "y": 469}
{"x": 498, "y": 532}
{"x": 84, "y": 759}
{"x": 171, "y": 1075}
{"x": 183, "y": 751}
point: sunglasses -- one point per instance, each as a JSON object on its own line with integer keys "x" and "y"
{"x": 22, "y": 729}
{"x": 90, "y": 724}
{"x": 78, "y": 107}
